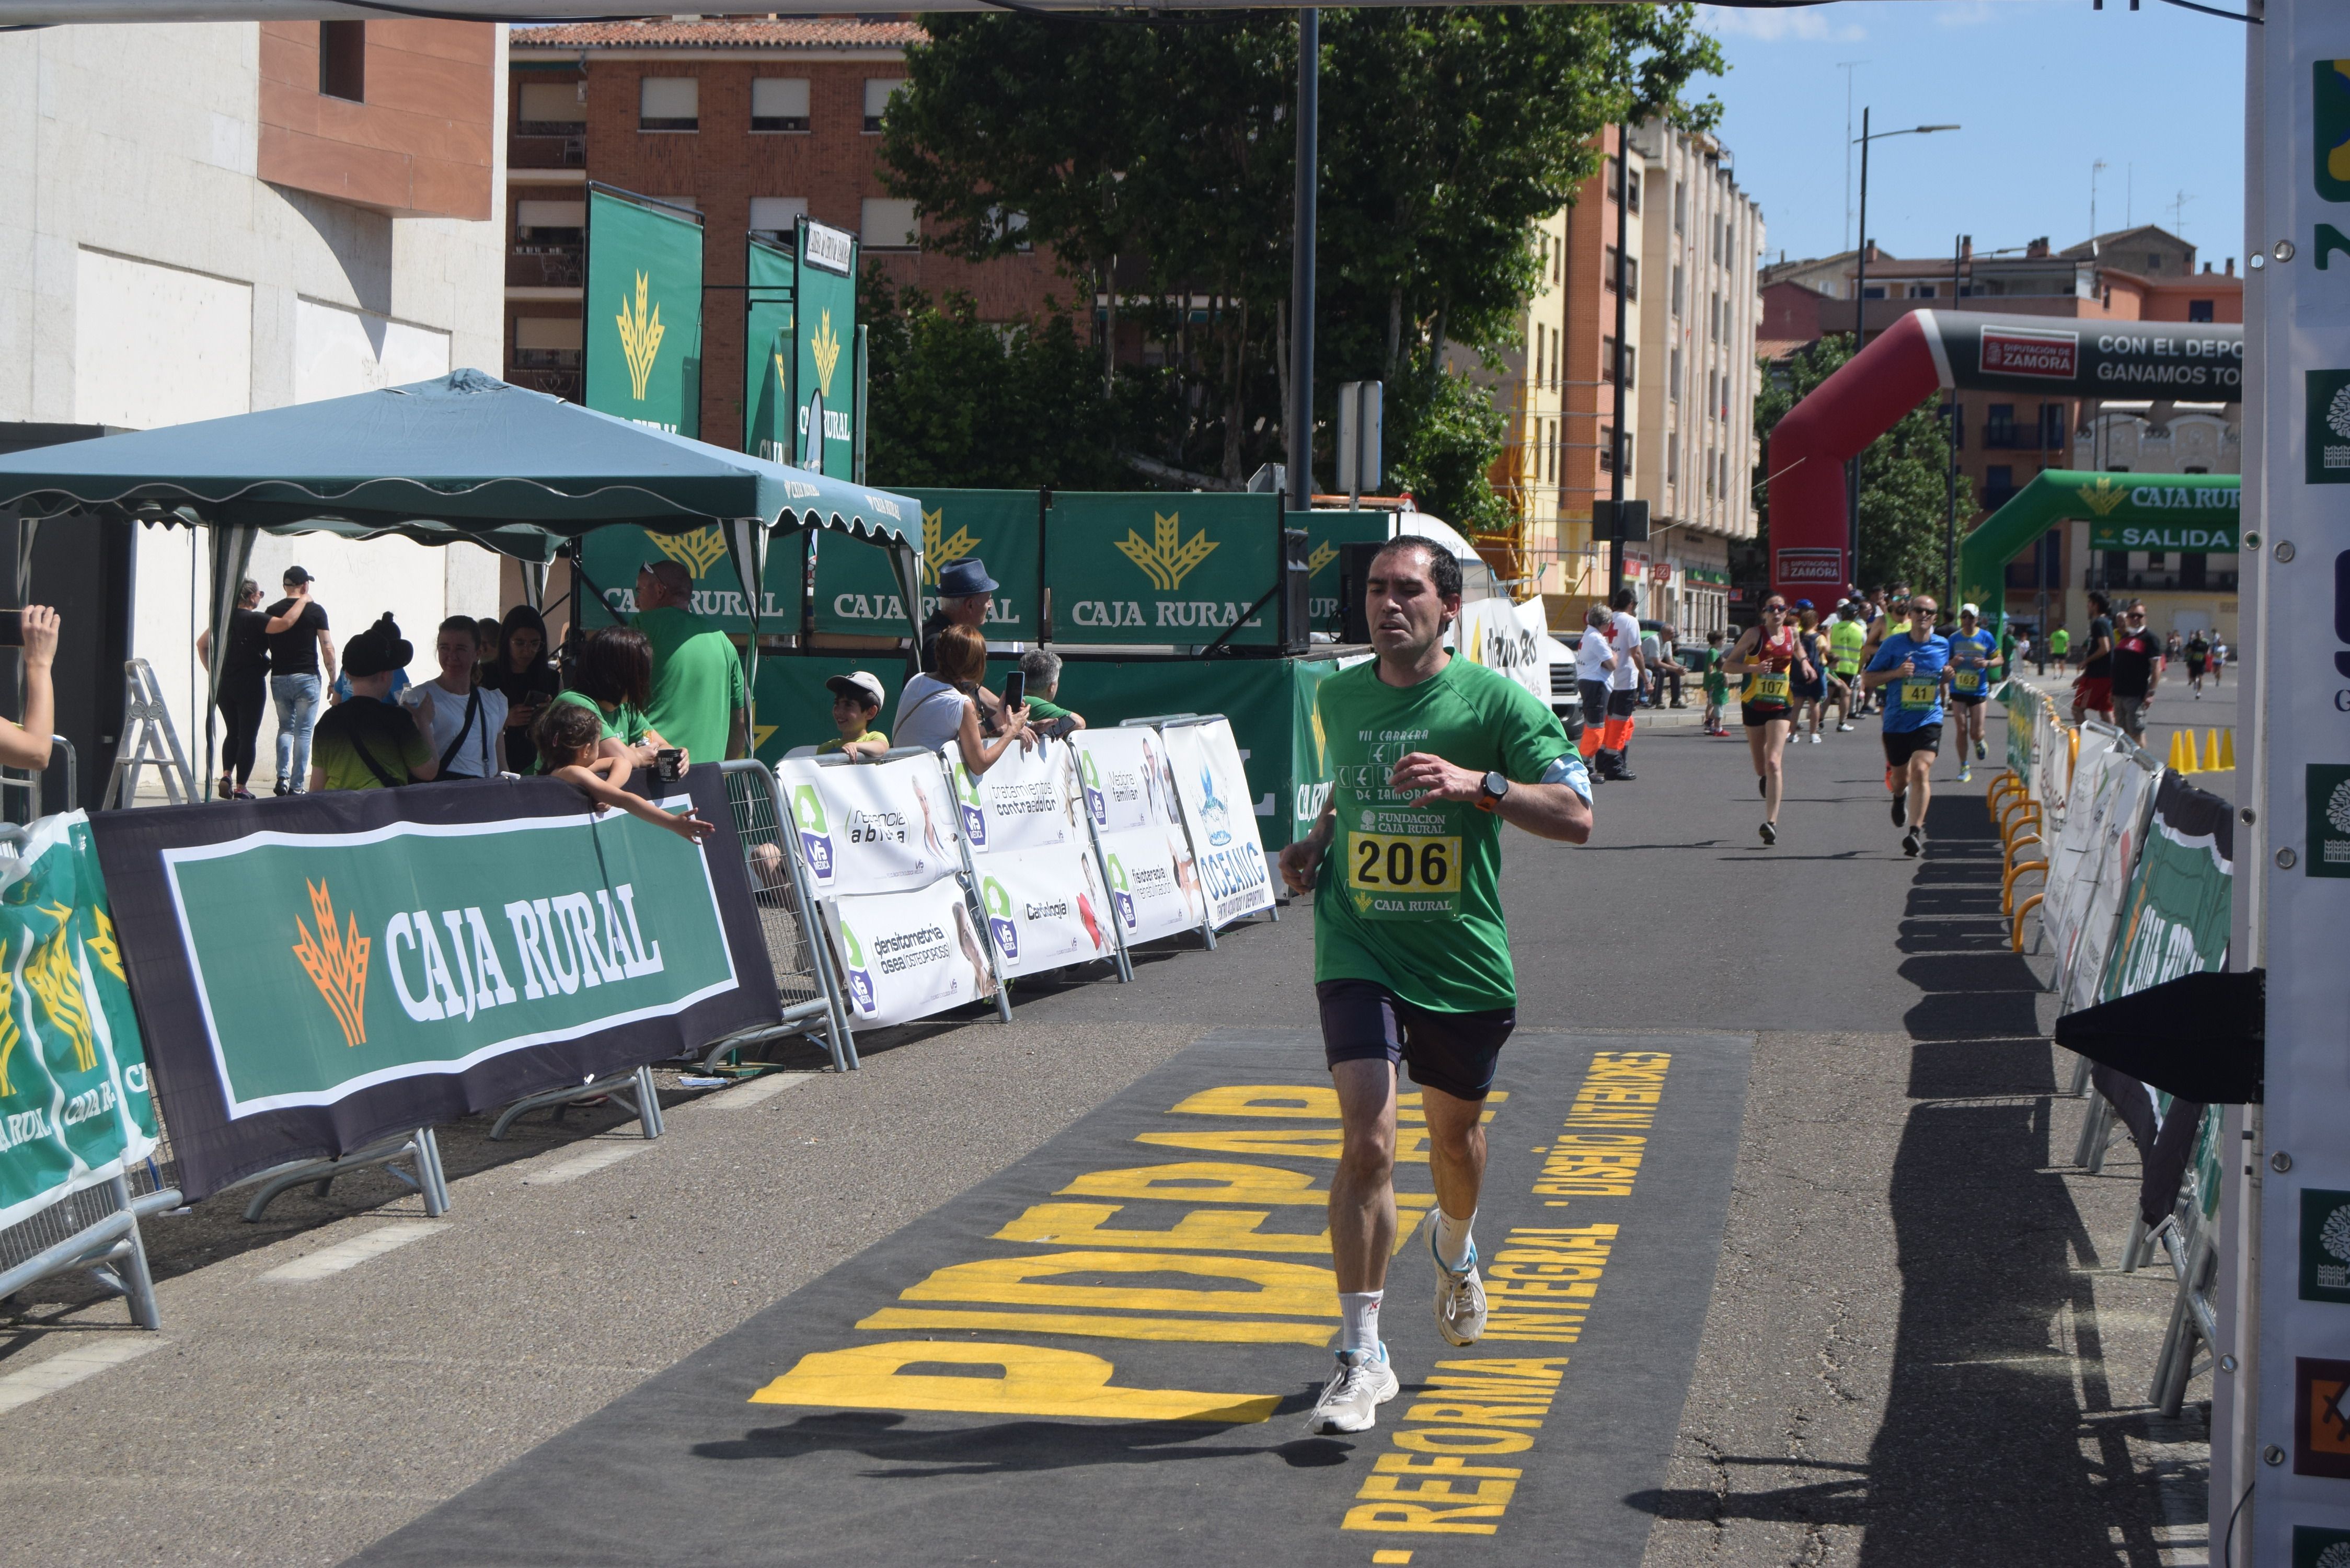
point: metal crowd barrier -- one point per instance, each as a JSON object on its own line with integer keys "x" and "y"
{"x": 30, "y": 783}
{"x": 2188, "y": 1238}
{"x": 813, "y": 1003}
{"x": 95, "y": 1231}
{"x": 420, "y": 1148}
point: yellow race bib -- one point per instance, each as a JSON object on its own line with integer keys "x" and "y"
{"x": 1764, "y": 689}
{"x": 1966, "y": 680}
{"x": 1402, "y": 863}
{"x": 1920, "y": 693}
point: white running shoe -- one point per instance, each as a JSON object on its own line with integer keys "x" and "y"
{"x": 1460, "y": 1296}
{"x": 1815, "y": 737}
{"x": 1350, "y": 1401}
{"x": 1844, "y": 729}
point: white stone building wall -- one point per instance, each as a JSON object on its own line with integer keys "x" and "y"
{"x": 148, "y": 277}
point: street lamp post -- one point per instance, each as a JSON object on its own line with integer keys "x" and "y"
{"x": 1860, "y": 314}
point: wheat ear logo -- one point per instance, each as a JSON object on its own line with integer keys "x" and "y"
{"x": 1323, "y": 553}
{"x": 826, "y": 349}
{"x": 104, "y": 947}
{"x": 55, "y": 980}
{"x": 1169, "y": 558}
{"x": 699, "y": 550}
{"x": 641, "y": 337}
{"x": 2103, "y": 496}
{"x": 337, "y": 962}
{"x": 938, "y": 549}
{"x": 9, "y": 1037}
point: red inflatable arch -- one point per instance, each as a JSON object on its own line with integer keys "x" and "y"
{"x": 1928, "y": 351}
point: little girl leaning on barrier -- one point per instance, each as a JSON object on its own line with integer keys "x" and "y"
{"x": 567, "y": 736}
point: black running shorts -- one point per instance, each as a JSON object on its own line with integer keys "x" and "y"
{"x": 1902, "y": 745}
{"x": 1363, "y": 1020}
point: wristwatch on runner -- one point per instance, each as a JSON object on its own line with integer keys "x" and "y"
{"x": 1496, "y": 786}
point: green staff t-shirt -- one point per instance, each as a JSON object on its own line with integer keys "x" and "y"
{"x": 1409, "y": 896}
{"x": 697, "y": 682}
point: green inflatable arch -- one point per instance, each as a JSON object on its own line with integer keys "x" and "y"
{"x": 2142, "y": 511}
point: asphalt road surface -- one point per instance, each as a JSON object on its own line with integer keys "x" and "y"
{"x": 1865, "y": 1312}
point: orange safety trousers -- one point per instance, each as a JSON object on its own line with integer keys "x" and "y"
{"x": 1619, "y": 735}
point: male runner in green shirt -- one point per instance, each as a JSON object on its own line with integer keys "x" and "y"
{"x": 1430, "y": 754}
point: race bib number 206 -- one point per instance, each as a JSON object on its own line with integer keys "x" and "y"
{"x": 1402, "y": 866}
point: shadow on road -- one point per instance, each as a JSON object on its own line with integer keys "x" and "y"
{"x": 2000, "y": 1442}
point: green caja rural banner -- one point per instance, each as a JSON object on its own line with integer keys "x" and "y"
{"x": 74, "y": 1101}
{"x": 609, "y": 558}
{"x": 424, "y": 948}
{"x": 767, "y": 350}
{"x": 328, "y": 971}
{"x": 1145, "y": 568}
{"x": 2175, "y": 915}
{"x": 824, "y": 369}
{"x": 644, "y": 312}
{"x": 1325, "y": 532}
{"x": 857, "y": 586}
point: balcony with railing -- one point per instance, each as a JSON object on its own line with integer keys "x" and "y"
{"x": 542, "y": 262}
{"x": 2156, "y": 580}
{"x": 2021, "y": 438}
{"x": 552, "y": 371}
{"x": 547, "y": 144}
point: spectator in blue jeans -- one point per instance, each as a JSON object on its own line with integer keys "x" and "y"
{"x": 298, "y": 641}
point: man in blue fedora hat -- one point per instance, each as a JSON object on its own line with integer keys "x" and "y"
{"x": 964, "y": 600}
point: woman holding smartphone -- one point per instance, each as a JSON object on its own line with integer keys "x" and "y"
{"x": 526, "y": 679}
{"x": 933, "y": 709}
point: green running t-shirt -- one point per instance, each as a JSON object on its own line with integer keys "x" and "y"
{"x": 1410, "y": 896}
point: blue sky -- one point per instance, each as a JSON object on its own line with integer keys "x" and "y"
{"x": 2044, "y": 88}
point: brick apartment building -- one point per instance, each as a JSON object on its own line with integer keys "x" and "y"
{"x": 2140, "y": 274}
{"x": 750, "y": 122}
{"x": 1691, "y": 310}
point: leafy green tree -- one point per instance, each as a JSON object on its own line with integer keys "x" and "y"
{"x": 953, "y": 401}
{"x": 1158, "y": 154}
{"x": 1904, "y": 507}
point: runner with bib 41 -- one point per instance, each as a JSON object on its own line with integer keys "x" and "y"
{"x": 1430, "y": 755}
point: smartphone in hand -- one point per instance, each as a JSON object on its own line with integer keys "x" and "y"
{"x": 1015, "y": 689}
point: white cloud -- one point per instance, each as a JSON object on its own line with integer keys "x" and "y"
{"x": 1810, "y": 25}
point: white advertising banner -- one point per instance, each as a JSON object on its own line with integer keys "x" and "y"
{"x": 908, "y": 955}
{"x": 1045, "y": 909}
{"x": 1154, "y": 887}
{"x": 1213, "y": 789}
{"x": 2106, "y": 874}
{"x": 2094, "y": 779}
{"x": 1123, "y": 776}
{"x": 1024, "y": 802}
{"x": 871, "y": 827}
{"x": 2292, "y": 1437}
{"x": 1508, "y": 637}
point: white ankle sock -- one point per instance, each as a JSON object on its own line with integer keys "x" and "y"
{"x": 1453, "y": 1242}
{"x": 1358, "y": 1319}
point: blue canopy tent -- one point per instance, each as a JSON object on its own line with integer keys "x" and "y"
{"x": 463, "y": 457}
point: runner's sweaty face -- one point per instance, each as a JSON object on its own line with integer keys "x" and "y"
{"x": 1406, "y": 613}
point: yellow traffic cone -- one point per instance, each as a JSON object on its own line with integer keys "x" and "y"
{"x": 2211, "y": 751}
{"x": 2182, "y": 752}
{"x": 2227, "y": 748}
